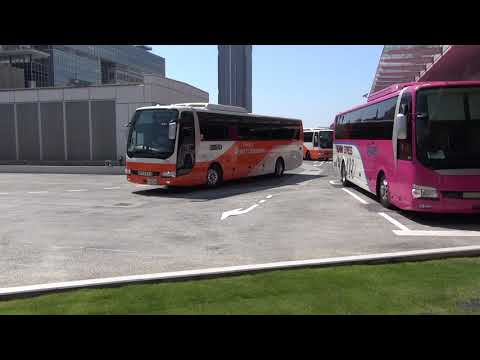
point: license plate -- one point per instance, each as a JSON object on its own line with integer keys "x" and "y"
{"x": 152, "y": 181}
{"x": 144, "y": 173}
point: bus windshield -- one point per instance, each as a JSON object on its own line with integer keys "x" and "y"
{"x": 448, "y": 127}
{"x": 326, "y": 139}
{"x": 148, "y": 135}
{"x": 308, "y": 136}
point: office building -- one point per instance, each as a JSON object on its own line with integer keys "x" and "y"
{"x": 235, "y": 75}
{"x": 76, "y": 65}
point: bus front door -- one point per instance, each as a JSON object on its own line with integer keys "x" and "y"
{"x": 316, "y": 146}
{"x": 186, "y": 144}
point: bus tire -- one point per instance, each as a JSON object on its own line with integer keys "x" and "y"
{"x": 279, "y": 167}
{"x": 214, "y": 176}
{"x": 307, "y": 156}
{"x": 343, "y": 175}
{"x": 382, "y": 191}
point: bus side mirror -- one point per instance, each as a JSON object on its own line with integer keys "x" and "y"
{"x": 402, "y": 131}
{"x": 172, "y": 130}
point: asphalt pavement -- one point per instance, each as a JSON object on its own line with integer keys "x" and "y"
{"x": 61, "y": 227}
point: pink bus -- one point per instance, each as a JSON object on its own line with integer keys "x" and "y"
{"x": 416, "y": 146}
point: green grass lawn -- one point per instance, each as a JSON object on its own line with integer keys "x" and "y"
{"x": 435, "y": 287}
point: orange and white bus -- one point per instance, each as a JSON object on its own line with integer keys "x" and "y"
{"x": 318, "y": 144}
{"x": 199, "y": 143}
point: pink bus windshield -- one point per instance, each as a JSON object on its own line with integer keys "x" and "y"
{"x": 448, "y": 127}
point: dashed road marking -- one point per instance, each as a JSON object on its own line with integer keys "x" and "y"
{"x": 77, "y": 190}
{"x": 112, "y": 188}
{"x": 238, "y": 211}
{"x": 335, "y": 182}
{"x": 3, "y": 193}
{"x": 355, "y": 196}
{"x": 37, "y": 192}
{"x": 394, "y": 222}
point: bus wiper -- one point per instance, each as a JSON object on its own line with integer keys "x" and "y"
{"x": 144, "y": 148}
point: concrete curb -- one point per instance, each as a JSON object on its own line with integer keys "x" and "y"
{"x": 415, "y": 255}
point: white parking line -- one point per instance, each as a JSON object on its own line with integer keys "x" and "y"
{"x": 262, "y": 201}
{"x": 77, "y": 190}
{"x": 269, "y": 196}
{"x": 405, "y": 231}
{"x": 355, "y": 196}
{"x": 448, "y": 233}
{"x": 37, "y": 192}
{"x": 112, "y": 188}
{"x": 394, "y": 222}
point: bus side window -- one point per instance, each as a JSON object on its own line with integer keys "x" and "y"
{"x": 232, "y": 131}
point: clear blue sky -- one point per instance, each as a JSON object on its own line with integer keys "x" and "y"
{"x": 312, "y": 83}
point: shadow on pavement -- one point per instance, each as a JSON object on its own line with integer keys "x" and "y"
{"x": 230, "y": 188}
{"x": 470, "y": 222}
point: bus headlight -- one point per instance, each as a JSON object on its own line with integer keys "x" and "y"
{"x": 168, "y": 174}
{"x": 424, "y": 192}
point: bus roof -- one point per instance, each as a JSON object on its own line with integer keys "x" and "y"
{"x": 215, "y": 108}
{"x": 394, "y": 90}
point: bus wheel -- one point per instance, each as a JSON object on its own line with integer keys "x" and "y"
{"x": 279, "y": 167}
{"x": 343, "y": 175}
{"x": 307, "y": 156}
{"x": 214, "y": 176}
{"x": 382, "y": 192}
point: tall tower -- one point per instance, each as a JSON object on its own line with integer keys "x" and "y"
{"x": 235, "y": 75}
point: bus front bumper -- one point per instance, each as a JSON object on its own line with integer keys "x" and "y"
{"x": 151, "y": 180}
{"x": 446, "y": 206}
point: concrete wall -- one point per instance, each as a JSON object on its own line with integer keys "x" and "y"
{"x": 79, "y": 125}
{"x": 11, "y": 77}
{"x": 8, "y": 149}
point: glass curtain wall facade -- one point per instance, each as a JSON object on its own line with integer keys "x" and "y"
{"x": 80, "y": 65}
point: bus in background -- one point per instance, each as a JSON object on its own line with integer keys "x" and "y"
{"x": 318, "y": 144}
{"x": 414, "y": 145}
{"x": 199, "y": 143}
